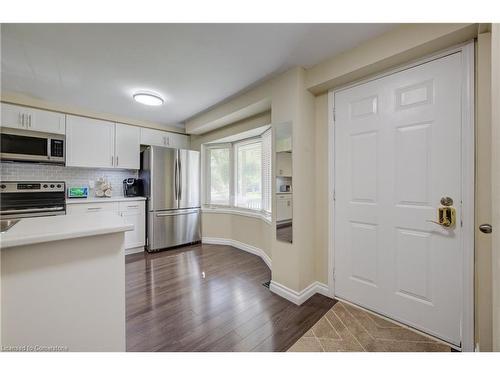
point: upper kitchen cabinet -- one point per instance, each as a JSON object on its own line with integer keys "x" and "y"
{"x": 127, "y": 146}
{"x": 284, "y": 164}
{"x": 19, "y": 117}
{"x": 284, "y": 144}
{"x": 89, "y": 143}
{"x": 153, "y": 137}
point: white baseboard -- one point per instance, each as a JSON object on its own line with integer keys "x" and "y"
{"x": 239, "y": 245}
{"x": 299, "y": 297}
{"x": 134, "y": 250}
{"x": 295, "y": 297}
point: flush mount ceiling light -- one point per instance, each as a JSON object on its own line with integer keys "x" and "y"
{"x": 148, "y": 98}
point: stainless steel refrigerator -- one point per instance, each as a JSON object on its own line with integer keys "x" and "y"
{"x": 171, "y": 180}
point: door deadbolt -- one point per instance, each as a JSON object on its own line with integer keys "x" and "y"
{"x": 447, "y": 201}
{"x": 485, "y": 228}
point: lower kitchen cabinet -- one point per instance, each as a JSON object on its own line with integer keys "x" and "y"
{"x": 132, "y": 211}
{"x": 283, "y": 207}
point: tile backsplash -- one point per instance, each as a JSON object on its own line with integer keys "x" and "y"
{"x": 71, "y": 175}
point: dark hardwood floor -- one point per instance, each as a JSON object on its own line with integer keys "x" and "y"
{"x": 285, "y": 232}
{"x": 210, "y": 298}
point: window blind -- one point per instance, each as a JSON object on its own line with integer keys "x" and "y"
{"x": 267, "y": 190}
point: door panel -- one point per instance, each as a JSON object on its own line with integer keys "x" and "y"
{"x": 397, "y": 152}
{"x": 189, "y": 167}
{"x": 163, "y": 165}
{"x": 364, "y": 158}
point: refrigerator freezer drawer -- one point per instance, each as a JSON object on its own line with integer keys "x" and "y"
{"x": 173, "y": 228}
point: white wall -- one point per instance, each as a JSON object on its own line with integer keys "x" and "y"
{"x": 251, "y": 231}
{"x": 483, "y": 296}
{"x": 495, "y": 175}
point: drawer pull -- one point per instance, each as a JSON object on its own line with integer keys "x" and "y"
{"x": 136, "y": 206}
{"x": 94, "y": 208}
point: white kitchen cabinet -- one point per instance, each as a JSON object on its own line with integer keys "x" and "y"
{"x": 19, "y": 117}
{"x": 154, "y": 137}
{"x": 85, "y": 208}
{"x": 127, "y": 146}
{"x": 284, "y": 144}
{"x": 284, "y": 207}
{"x": 89, "y": 143}
{"x": 132, "y": 211}
{"x": 284, "y": 164}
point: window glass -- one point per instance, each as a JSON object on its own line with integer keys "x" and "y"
{"x": 219, "y": 176}
{"x": 249, "y": 175}
{"x": 238, "y": 174}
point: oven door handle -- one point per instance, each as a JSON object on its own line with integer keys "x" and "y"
{"x": 58, "y": 208}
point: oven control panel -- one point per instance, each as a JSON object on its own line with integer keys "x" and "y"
{"x": 30, "y": 186}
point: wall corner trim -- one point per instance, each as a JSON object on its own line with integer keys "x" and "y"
{"x": 239, "y": 245}
{"x": 299, "y": 298}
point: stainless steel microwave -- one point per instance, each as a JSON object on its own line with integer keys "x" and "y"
{"x": 32, "y": 146}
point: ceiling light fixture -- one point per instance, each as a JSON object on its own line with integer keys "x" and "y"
{"x": 148, "y": 98}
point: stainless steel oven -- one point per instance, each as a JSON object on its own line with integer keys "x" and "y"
{"x": 32, "y": 146}
{"x": 32, "y": 198}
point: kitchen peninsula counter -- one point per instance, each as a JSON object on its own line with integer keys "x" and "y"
{"x": 63, "y": 283}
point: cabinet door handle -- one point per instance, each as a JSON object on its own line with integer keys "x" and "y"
{"x": 136, "y": 206}
{"x": 112, "y": 161}
{"x": 29, "y": 121}
{"x": 94, "y": 208}
{"x": 117, "y": 161}
{"x": 22, "y": 120}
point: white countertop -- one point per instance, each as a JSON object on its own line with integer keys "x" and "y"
{"x": 103, "y": 200}
{"x": 35, "y": 230}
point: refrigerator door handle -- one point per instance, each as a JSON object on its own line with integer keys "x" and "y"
{"x": 176, "y": 194}
{"x": 180, "y": 179}
{"x": 177, "y": 213}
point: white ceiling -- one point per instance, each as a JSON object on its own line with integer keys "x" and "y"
{"x": 194, "y": 66}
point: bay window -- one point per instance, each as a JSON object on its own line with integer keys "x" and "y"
{"x": 237, "y": 175}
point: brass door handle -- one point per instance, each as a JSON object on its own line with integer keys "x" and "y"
{"x": 445, "y": 224}
{"x": 447, "y": 217}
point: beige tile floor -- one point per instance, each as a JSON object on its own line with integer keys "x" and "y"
{"x": 348, "y": 329}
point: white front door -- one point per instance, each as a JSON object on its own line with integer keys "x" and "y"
{"x": 397, "y": 153}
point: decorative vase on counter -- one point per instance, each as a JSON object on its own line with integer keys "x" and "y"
{"x": 103, "y": 188}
